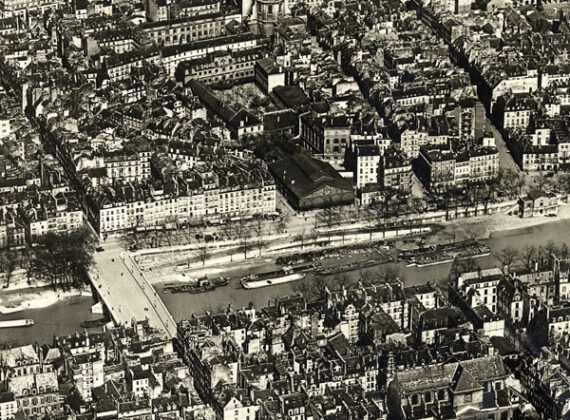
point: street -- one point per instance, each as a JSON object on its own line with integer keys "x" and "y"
{"x": 506, "y": 160}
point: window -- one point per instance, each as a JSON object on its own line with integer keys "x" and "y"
{"x": 467, "y": 398}
{"x": 415, "y": 399}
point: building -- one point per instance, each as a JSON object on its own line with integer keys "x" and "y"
{"x": 363, "y": 158}
{"x": 308, "y": 183}
{"x": 439, "y": 168}
{"x": 395, "y": 172}
{"x": 133, "y": 167}
{"x": 88, "y": 373}
{"x": 538, "y": 203}
{"x": 435, "y": 168}
{"x": 470, "y": 387}
{"x": 434, "y": 322}
{"x": 232, "y": 188}
{"x": 23, "y": 7}
{"x": 476, "y": 165}
{"x": 8, "y": 405}
{"x": 514, "y": 111}
{"x": 195, "y": 7}
{"x": 221, "y": 67}
{"x": 185, "y": 29}
{"x": 12, "y": 230}
{"x": 558, "y": 318}
{"x": 269, "y": 75}
{"x": 513, "y": 300}
{"x": 240, "y": 122}
{"x": 36, "y": 393}
{"x": 175, "y": 54}
{"x": 480, "y": 287}
{"x": 51, "y": 214}
{"x": 119, "y": 66}
{"x": 326, "y": 136}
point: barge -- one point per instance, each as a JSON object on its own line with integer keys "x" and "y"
{"x": 15, "y": 323}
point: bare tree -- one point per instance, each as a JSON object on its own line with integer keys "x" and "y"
{"x": 395, "y": 210}
{"x": 416, "y": 205}
{"x": 319, "y": 284}
{"x": 282, "y": 222}
{"x": 8, "y": 264}
{"x": 340, "y": 281}
{"x": 564, "y": 251}
{"x": 244, "y": 236}
{"x": 168, "y": 233}
{"x": 460, "y": 266}
{"x": 27, "y": 263}
{"x": 190, "y": 233}
{"x": 301, "y": 238}
{"x": 527, "y": 256}
{"x": 258, "y": 231}
{"x": 550, "y": 248}
{"x": 542, "y": 182}
{"x": 511, "y": 182}
{"x": 391, "y": 273}
{"x": 508, "y": 256}
{"x": 304, "y": 289}
{"x": 203, "y": 253}
{"x": 229, "y": 229}
{"x": 367, "y": 277}
{"x": 563, "y": 183}
{"x": 541, "y": 254}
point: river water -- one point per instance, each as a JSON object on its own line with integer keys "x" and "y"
{"x": 64, "y": 317}
{"x": 182, "y": 305}
{"x": 61, "y": 318}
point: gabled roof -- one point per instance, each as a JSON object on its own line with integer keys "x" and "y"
{"x": 304, "y": 175}
{"x": 463, "y": 381}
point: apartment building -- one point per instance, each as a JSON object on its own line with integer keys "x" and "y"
{"x": 119, "y": 66}
{"x": 128, "y": 167}
{"x": 175, "y": 54}
{"x": 441, "y": 168}
{"x": 23, "y": 7}
{"x": 12, "y": 230}
{"x": 51, "y": 214}
{"x": 221, "y": 67}
{"x": 185, "y": 29}
{"x": 88, "y": 373}
{"x": 195, "y": 7}
{"x": 326, "y": 136}
{"x": 8, "y": 405}
{"x": 136, "y": 207}
{"x": 395, "y": 172}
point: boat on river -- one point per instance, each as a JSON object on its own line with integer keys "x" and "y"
{"x": 251, "y": 282}
{"x": 96, "y": 323}
{"x": 444, "y": 253}
{"x": 271, "y": 278}
{"x": 202, "y": 285}
{"x": 16, "y": 323}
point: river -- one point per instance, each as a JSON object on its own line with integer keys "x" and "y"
{"x": 64, "y": 317}
{"x": 61, "y": 318}
{"x": 182, "y": 305}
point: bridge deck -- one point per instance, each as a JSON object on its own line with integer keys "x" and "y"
{"x": 126, "y": 292}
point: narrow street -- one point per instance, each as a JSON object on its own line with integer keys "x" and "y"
{"x": 506, "y": 160}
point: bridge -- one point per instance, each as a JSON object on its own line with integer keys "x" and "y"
{"x": 126, "y": 292}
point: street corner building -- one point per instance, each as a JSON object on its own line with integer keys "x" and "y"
{"x": 309, "y": 183}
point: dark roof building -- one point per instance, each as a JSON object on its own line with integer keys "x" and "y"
{"x": 309, "y": 183}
